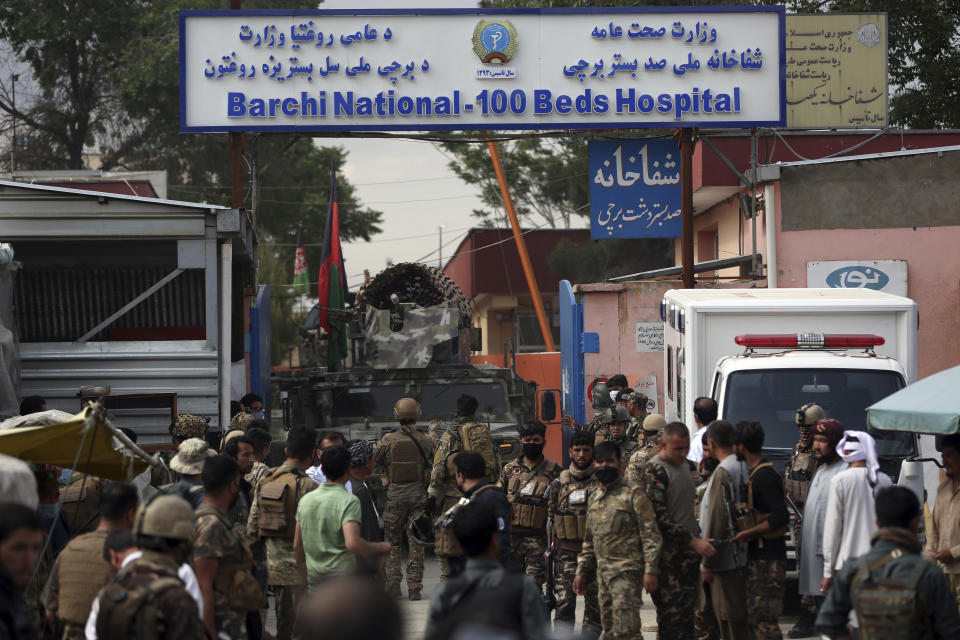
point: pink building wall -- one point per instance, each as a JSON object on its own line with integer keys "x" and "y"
{"x": 933, "y": 275}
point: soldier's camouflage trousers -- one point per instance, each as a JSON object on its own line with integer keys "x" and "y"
{"x": 287, "y": 599}
{"x": 706, "y": 626}
{"x": 677, "y": 597}
{"x": 448, "y": 501}
{"x": 619, "y": 592}
{"x": 564, "y": 571}
{"x": 527, "y": 554}
{"x": 399, "y": 514}
{"x": 765, "y": 588}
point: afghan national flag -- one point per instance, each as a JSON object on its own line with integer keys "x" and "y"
{"x": 300, "y": 279}
{"x": 333, "y": 281}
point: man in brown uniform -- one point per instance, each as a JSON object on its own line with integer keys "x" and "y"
{"x": 616, "y": 432}
{"x": 220, "y": 555}
{"x": 405, "y": 456}
{"x": 527, "y": 482}
{"x": 80, "y": 571}
{"x": 273, "y": 519}
{"x": 465, "y": 433}
{"x": 164, "y": 530}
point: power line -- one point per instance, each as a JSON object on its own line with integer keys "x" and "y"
{"x": 320, "y": 244}
{"x": 309, "y": 204}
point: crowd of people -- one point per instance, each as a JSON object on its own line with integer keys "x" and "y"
{"x": 702, "y": 530}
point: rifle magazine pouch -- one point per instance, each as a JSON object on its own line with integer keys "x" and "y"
{"x": 581, "y": 527}
{"x": 538, "y": 516}
{"x": 274, "y": 516}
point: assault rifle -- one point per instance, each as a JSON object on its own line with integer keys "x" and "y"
{"x": 731, "y": 526}
{"x": 551, "y": 597}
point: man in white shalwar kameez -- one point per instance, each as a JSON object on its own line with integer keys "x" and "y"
{"x": 827, "y": 434}
{"x": 851, "y": 517}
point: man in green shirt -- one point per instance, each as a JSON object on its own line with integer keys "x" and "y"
{"x": 327, "y": 538}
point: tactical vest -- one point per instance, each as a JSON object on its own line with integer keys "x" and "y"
{"x": 445, "y": 543}
{"x": 81, "y": 503}
{"x": 527, "y": 493}
{"x": 82, "y": 573}
{"x": 889, "y": 608}
{"x": 407, "y": 462}
{"x": 234, "y": 579}
{"x": 798, "y": 474}
{"x": 131, "y": 612}
{"x": 747, "y": 515}
{"x": 475, "y": 437}
{"x": 278, "y": 503}
{"x": 570, "y": 521}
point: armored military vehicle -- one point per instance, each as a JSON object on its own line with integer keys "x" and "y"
{"x": 410, "y": 336}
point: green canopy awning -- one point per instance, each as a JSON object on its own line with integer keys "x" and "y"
{"x": 931, "y": 405}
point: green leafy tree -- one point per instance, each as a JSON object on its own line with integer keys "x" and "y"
{"x": 104, "y": 78}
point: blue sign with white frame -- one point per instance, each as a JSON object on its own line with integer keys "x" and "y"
{"x": 634, "y": 188}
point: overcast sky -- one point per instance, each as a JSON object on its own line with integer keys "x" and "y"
{"x": 408, "y": 181}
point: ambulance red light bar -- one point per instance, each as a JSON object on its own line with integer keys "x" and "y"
{"x": 809, "y": 340}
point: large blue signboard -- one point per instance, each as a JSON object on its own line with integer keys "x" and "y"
{"x": 634, "y": 189}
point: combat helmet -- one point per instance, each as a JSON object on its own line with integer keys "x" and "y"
{"x": 620, "y": 414}
{"x": 601, "y": 397}
{"x": 808, "y": 414}
{"x": 406, "y": 409}
{"x": 422, "y": 530}
{"x": 166, "y": 518}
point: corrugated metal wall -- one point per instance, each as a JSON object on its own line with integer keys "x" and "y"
{"x": 58, "y": 304}
{"x": 57, "y": 370}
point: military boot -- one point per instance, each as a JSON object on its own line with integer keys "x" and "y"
{"x": 414, "y": 595}
{"x": 804, "y": 627}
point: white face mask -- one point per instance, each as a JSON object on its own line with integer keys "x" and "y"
{"x": 613, "y": 395}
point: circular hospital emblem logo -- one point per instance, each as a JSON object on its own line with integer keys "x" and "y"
{"x": 869, "y": 35}
{"x": 495, "y": 41}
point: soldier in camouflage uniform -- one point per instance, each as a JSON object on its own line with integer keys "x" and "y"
{"x": 443, "y": 476}
{"x": 186, "y": 426}
{"x": 404, "y": 455}
{"x": 797, "y": 476}
{"x": 221, "y": 557}
{"x": 636, "y": 404}
{"x": 653, "y": 426}
{"x": 260, "y": 437}
{"x": 616, "y": 432}
{"x": 568, "y": 513}
{"x": 277, "y": 527}
{"x": 527, "y": 482}
{"x": 602, "y": 409}
{"x": 163, "y": 530}
{"x": 622, "y": 545}
{"x": 667, "y": 479}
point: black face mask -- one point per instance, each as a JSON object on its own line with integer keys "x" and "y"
{"x": 605, "y": 474}
{"x": 532, "y": 450}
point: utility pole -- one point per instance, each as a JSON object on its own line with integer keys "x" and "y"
{"x": 13, "y": 147}
{"x": 686, "y": 206}
{"x": 440, "y": 248}
{"x": 521, "y": 248}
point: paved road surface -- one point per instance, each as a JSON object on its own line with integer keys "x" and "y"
{"x": 415, "y": 613}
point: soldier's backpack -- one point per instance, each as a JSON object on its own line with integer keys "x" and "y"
{"x": 476, "y": 437}
{"x": 445, "y": 543}
{"x": 81, "y": 503}
{"x": 888, "y": 608}
{"x": 278, "y": 504}
{"x": 131, "y": 612}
